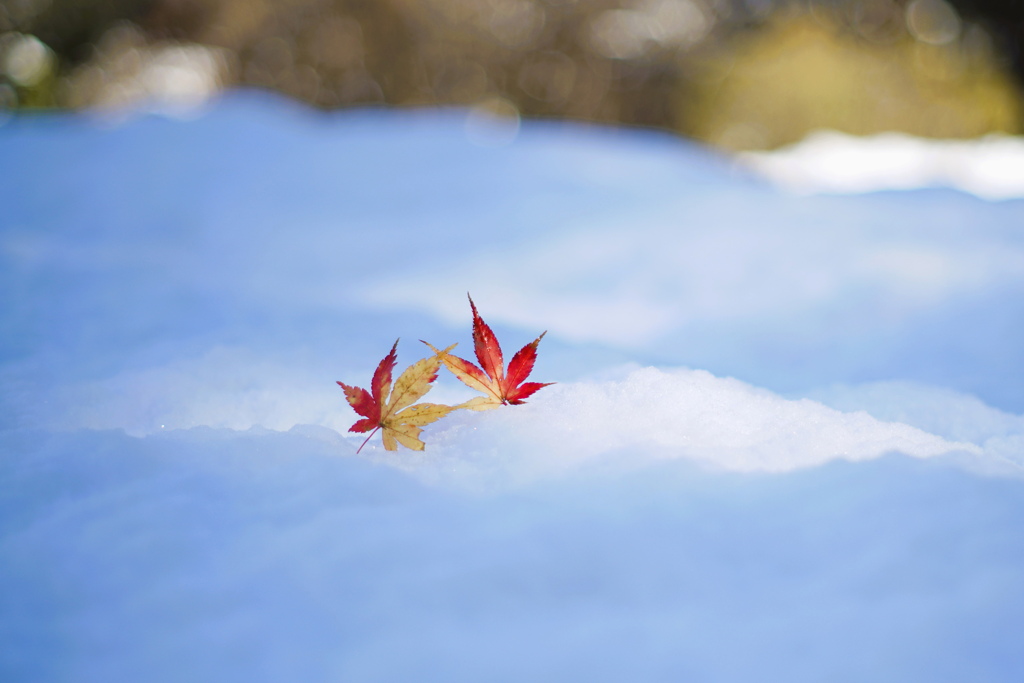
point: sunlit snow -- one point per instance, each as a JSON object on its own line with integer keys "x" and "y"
{"x": 828, "y": 161}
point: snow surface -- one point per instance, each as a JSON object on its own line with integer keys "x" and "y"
{"x": 785, "y": 443}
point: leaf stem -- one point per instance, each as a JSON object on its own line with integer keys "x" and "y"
{"x": 367, "y": 439}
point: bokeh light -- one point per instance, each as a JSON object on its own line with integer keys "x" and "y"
{"x": 743, "y": 74}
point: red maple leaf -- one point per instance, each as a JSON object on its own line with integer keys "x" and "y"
{"x": 499, "y": 387}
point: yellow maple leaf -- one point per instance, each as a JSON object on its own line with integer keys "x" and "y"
{"x": 391, "y": 409}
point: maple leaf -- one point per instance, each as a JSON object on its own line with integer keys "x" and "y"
{"x": 391, "y": 409}
{"x": 498, "y": 387}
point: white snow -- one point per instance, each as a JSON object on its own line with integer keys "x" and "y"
{"x": 829, "y": 161}
{"x": 651, "y": 414}
{"x": 785, "y": 441}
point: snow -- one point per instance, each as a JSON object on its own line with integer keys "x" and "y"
{"x": 785, "y": 443}
{"x": 828, "y": 161}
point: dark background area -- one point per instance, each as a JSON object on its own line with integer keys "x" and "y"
{"x": 737, "y": 73}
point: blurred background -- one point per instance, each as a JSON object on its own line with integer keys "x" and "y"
{"x": 739, "y": 74}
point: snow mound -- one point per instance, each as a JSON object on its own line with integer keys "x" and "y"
{"x": 650, "y": 415}
{"x": 646, "y": 414}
